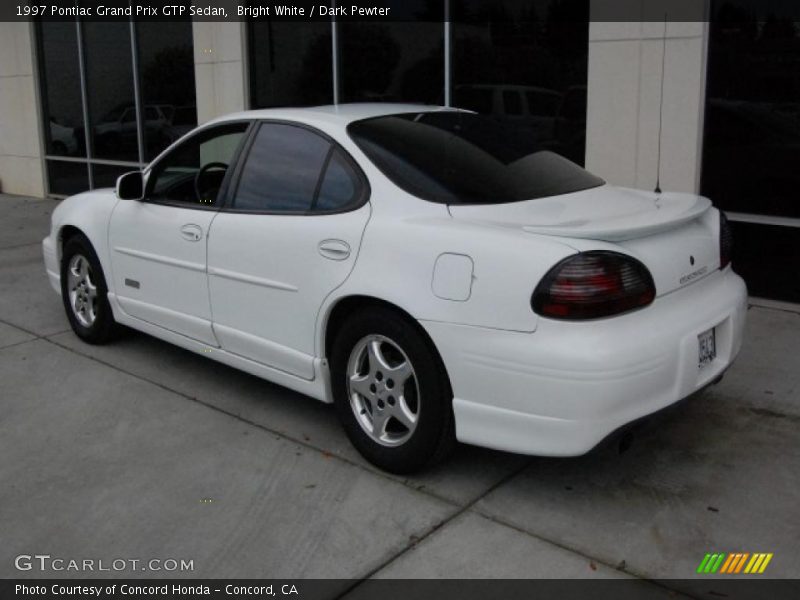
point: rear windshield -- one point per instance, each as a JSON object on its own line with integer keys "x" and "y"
{"x": 464, "y": 158}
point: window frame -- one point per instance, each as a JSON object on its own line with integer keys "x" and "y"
{"x": 152, "y": 168}
{"x": 363, "y": 194}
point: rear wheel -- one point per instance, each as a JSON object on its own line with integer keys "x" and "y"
{"x": 84, "y": 292}
{"x": 391, "y": 392}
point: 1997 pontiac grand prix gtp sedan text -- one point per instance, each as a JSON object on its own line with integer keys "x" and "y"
{"x": 436, "y": 276}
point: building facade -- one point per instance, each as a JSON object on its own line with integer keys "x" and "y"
{"x": 708, "y": 106}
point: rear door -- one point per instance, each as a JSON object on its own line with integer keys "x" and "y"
{"x": 287, "y": 237}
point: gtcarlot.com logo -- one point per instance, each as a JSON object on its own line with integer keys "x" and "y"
{"x": 45, "y": 562}
{"x": 735, "y": 563}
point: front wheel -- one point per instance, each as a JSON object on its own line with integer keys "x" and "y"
{"x": 84, "y": 292}
{"x": 391, "y": 392}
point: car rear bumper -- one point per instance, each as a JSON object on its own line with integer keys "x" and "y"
{"x": 561, "y": 390}
{"x": 51, "y": 263}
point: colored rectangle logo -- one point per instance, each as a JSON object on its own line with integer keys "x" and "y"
{"x": 734, "y": 563}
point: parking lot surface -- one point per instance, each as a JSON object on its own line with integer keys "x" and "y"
{"x": 141, "y": 450}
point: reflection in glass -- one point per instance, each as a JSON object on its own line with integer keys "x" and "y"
{"x": 524, "y": 62}
{"x": 61, "y": 89}
{"x": 166, "y": 61}
{"x": 392, "y": 62}
{"x": 109, "y": 76}
{"x": 773, "y": 277}
{"x": 67, "y": 178}
{"x": 290, "y": 63}
{"x": 339, "y": 186}
{"x": 105, "y": 176}
{"x": 166, "y": 74}
{"x": 282, "y": 170}
{"x": 751, "y": 149}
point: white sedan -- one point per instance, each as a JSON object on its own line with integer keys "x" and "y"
{"x": 436, "y": 276}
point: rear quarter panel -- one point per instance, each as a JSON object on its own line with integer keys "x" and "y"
{"x": 399, "y": 252}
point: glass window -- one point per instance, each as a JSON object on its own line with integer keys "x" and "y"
{"x": 544, "y": 103}
{"x": 400, "y": 61}
{"x": 193, "y": 172}
{"x": 459, "y": 157}
{"x": 105, "y": 176}
{"x": 478, "y": 99}
{"x": 512, "y": 102}
{"x": 751, "y": 148}
{"x": 166, "y": 63}
{"x": 282, "y": 170}
{"x": 340, "y": 187}
{"x": 67, "y": 178}
{"x": 61, "y": 89}
{"x": 167, "y": 87}
{"x": 109, "y": 79}
{"x": 291, "y": 63}
{"x": 538, "y": 48}
{"x": 184, "y": 116}
{"x": 766, "y": 256}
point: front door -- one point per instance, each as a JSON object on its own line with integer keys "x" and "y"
{"x": 159, "y": 245}
{"x": 289, "y": 236}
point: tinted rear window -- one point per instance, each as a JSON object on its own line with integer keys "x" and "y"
{"x": 464, "y": 158}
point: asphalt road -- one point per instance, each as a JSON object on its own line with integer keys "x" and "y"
{"x": 141, "y": 450}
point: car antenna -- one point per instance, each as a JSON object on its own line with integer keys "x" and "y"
{"x": 661, "y": 105}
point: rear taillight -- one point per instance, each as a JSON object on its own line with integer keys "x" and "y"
{"x": 725, "y": 241}
{"x": 593, "y": 284}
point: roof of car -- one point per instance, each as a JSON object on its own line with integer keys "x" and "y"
{"x": 342, "y": 114}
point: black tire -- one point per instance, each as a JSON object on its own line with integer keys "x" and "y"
{"x": 433, "y": 436}
{"x": 103, "y": 327}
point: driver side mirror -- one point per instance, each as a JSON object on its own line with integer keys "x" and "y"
{"x": 130, "y": 186}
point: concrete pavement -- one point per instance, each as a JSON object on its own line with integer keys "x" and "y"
{"x": 143, "y": 450}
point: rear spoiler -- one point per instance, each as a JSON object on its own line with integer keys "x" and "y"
{"x": 617, "y": 229}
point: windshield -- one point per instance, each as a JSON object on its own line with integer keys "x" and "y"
{"x": 463, "y": 158}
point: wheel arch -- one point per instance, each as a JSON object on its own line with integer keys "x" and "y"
{"x": 338, "y": 312}
{"x": 65, "y": 233}
{"x": 87, "y": 214}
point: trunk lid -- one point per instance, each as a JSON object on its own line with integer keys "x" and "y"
{"x": 675, "y": 235}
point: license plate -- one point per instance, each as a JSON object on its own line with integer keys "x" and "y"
{"x": 707, "y": 348}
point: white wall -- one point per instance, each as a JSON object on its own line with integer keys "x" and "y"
{"x": 20, "y": 138}
{"x": 219, "y": 68}
{"x": 625, "y": 67}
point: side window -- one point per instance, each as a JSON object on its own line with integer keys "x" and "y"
{"x": 193, "y": 172}
{"x": 477, "y": 99}
{"x": 340, "y": 187}
{"x": 544, "y": 105}
{"x": 282, "y": 170}
{"x": 512, "y": 102}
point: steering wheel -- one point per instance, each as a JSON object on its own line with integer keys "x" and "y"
{"x": 199, "y": 176}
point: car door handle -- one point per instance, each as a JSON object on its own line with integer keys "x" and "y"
{"x": 192, "y": 232}
{"x": 334, "y": 249}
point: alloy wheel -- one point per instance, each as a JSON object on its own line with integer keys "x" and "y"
{"x": 383, "y": 390}
{"x": 82, "y": 290}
